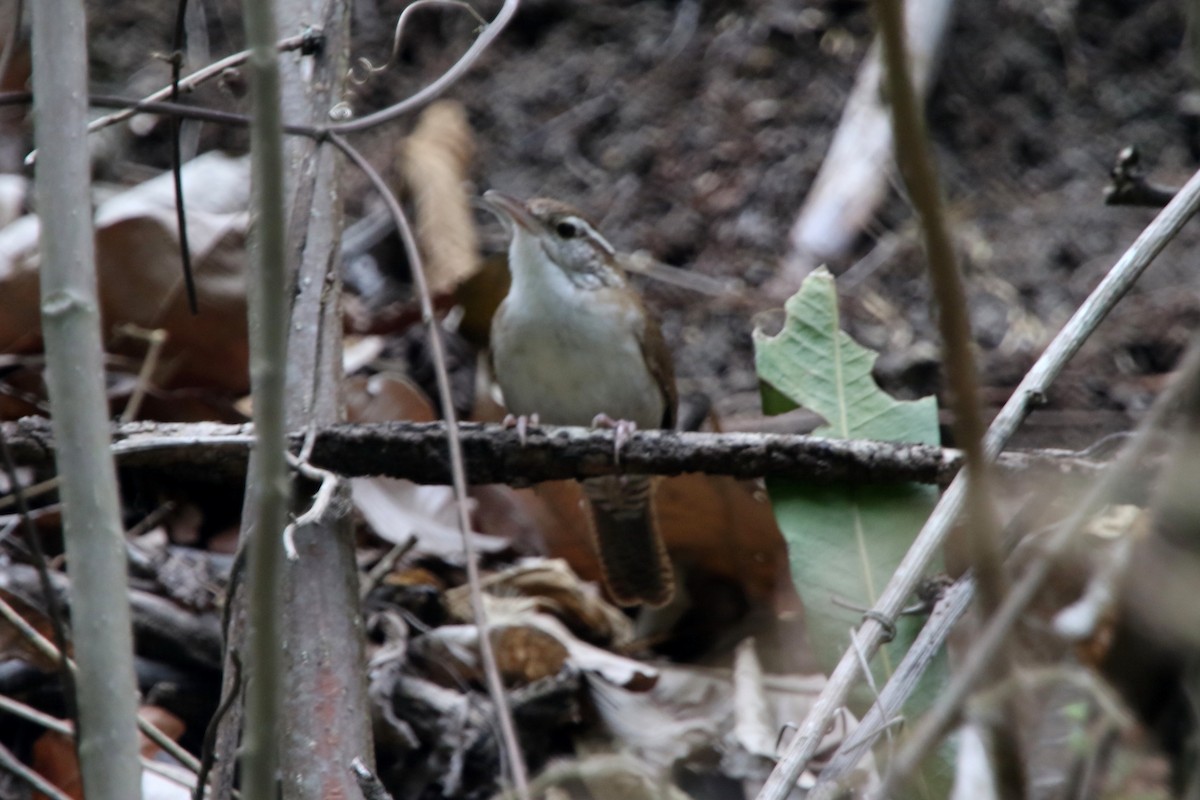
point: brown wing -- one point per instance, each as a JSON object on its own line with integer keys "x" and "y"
{"x": 658, "y": 359}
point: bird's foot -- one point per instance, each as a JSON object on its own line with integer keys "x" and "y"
{"x": 622, "y": 430}
{"x": 521, "y": 422}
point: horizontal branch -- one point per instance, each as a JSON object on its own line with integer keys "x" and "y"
{"x": 495, "y": 454}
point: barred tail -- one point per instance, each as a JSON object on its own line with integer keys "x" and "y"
{"x": 632, "y": 555}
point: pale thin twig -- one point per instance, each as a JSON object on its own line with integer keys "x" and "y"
{"x": 321, "y": 502}
{"x": 186, "y": 83}
{"x": 481, "y": 43}
{"x": 458, "y": 470}
{"x": 371, "y": 69}
{"x": 928, "y": 643}
{"x": 155, "y": 339}
{"x": 30, "y": 492}
{"x": 1029, "y": 393}
{"x": 385, "y": 565}
{"x": 984, "y": 648}
{"x": 19, "y": 709}
{"x": 268, "y": 486}
{"x": 106, "y": 689}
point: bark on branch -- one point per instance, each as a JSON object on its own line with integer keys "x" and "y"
{"x": 417, "y": 451}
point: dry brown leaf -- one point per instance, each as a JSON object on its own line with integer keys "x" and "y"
{"x": 386, "y": 397}
{"x": 516, "y": 515}
{"x": 555, "y": 590}
{"x": 523, "y": 653}
{"x": 54, "y": 759}
{"x": 530, "y": 645}
{"x": 20, "y": 317}
{"x": 435, "y": 162}
{"x": 140, "y": 278}
{"x": 480, "y": 295}
{"x": 613, "y": 668}
{"x": 567, "y": 537}
{"x": 603, "y": 777}
{"x": 725, "y": 529}
{"x": 720, "y": 529}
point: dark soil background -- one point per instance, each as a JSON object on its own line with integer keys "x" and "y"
{"x": 694, "y": 129}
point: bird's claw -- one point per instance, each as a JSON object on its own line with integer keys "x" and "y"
{"x": 622, "y": 430}
{"x": 521, "y": 422}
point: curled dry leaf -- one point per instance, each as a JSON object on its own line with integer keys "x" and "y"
{"x": 140, "y": 277}
{"x": 530, "y": 645}
{"x": 435, "y": 161}
{"x": 554, "y": 589}
{"x": 524, "y": 654}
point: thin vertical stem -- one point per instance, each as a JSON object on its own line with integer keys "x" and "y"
{"x": 103, "y": 637}
{"x": 268, "y": 348}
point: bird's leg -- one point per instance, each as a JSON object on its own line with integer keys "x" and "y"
{"x": 622, "y": 430}
{"x": 521, "y": 422}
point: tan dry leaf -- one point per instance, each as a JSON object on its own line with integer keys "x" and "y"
{"x": 523, "y": 653}
{"x": 434, "y": 161}
{"x": 531, "y": 645}
{"x": 140, "y": 278}
{"x": 554, "y": 589}
{"x": 386, "y": 397}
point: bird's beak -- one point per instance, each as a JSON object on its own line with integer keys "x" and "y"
{"x": 509, "y": 209}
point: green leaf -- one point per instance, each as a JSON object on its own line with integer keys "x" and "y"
{"x": 813, "y": 363}
{"x": 844, "y": 542}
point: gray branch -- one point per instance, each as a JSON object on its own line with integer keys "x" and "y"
{"x": 494, "y": 454}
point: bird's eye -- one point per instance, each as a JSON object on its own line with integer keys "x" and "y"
{"x": 567, "y": 229}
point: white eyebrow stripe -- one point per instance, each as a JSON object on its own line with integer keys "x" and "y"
{"x": 593, "y": 234}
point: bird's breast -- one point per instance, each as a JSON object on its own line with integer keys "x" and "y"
{"x": 571, "y": 358}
